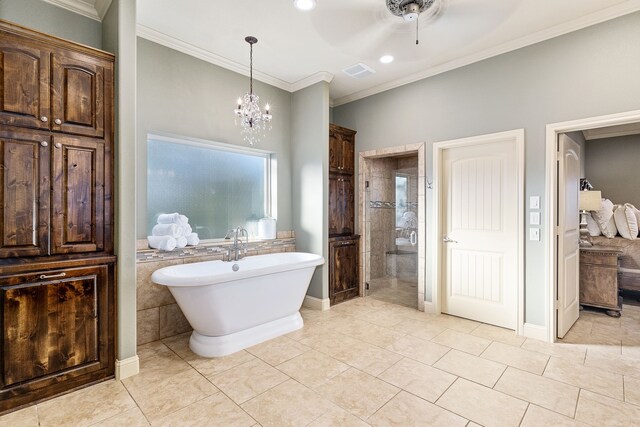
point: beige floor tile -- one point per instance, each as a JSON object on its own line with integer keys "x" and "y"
{"x": 27, "y": 417}
{"x": 278, "y": 350}
{"x": 417, "y": 378}
{"x": 601, "y": 411}
{"x": 248, "y": 380}
{"x": 287, "y": 405}
{"x": 483, "y": 405}
{"x": 367, "y": 357}
{"x": 574, "y": 352}
{"x": 215, "y": 410}
{"x": 632, "y": 390}
{"x": 494, "y": 333}
{"x": 86, "y": 406}
{"x": 420, "y": 350}
{"x": 312, "y": 368}
{"x": 455, "y": 323}
{"x": 593, "y": 379}
{"x": 372, "y": 334}
{"x": 419, "y": 328}
{"x": 160, "y": 398}
{"x": 328, "y": 342}
{"x": 462, "y": 341}
{"x": 408, "y": 410}
{"x": 358, "y": 392}
{"x": 338, "y": 417}
{"x": 384, "y": 318}
{"x": 473, "y": 368}
{"x": 526, "y": 360}
{"x": 544, "y": 392}
{"x": 540, "y": 417}
{"x": 130, "y": 418}
{"x": 620, "y": 364}
{"x": 152, "y": 349}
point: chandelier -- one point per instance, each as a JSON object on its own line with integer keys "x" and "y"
{"x": 253, "y": 121}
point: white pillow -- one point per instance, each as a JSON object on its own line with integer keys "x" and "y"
{"x": 626, "y": 221}
{"x": 637, "y": 213}
{"x": 604, "y": 218}
{"x": 592, "y": 226}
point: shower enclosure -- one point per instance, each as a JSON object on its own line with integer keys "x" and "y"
{"x": 391, "y": 265}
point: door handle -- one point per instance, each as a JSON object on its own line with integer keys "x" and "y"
{"x": 446, "y": 239}
{"x": 52, "y": 276}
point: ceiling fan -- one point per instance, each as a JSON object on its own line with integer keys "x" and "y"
{"x": 410, "y": 10}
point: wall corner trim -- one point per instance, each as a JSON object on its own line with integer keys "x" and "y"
{"x": 127, "y": 368}
{"x": 316, "y": 303}
{"x": 536, "y": 332}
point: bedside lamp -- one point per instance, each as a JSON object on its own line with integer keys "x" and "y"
{"x": 587, "y": 201}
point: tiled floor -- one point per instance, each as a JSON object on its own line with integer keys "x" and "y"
{"x": 401, "y": 290}
{"x": 366, "y": 362}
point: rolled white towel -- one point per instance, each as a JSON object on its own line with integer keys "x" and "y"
{"x": 173, "y": 218}
{"x": 187, "y": 229}
{"x": 172, "y": 230}
{"x": 164, "y": 243}
{"x": 181, "y": 242}
{"x": 193, "y": 239}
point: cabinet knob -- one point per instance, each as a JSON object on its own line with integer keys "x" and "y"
{"x": 58, "y": 145}
{"x": 57, "y": 121}
{"x": 44, "y": 143}
{"x": 44, "y": 119}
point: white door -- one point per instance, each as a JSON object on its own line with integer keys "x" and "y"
{"x": 568, "y": 291}
{"x": 480, "y": 232}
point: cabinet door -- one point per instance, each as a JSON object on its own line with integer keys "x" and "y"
{"x": 348, "y": 152}
{"x": 52, "y": 322}
{"x": 335, "y": 152}
{"x": 24, "y": 78}
{"x": 344, "y": 270}
{"x": 77, "y": 200}
{"x": 78, "y": 98}
{"x": 24, "y": 194}
{"x": 341, "y": 205}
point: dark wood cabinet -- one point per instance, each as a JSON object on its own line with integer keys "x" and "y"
{"x": 344, "y": 270}
{"x": 57, "y": 267}
{"x": 341, "y": 205}
{"x": 341, "y": 149}
{"x": 599, "y": 278}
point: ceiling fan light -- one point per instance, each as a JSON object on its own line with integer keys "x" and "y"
{"x": 304, "y": 4}
{"x": 411, "y": 11}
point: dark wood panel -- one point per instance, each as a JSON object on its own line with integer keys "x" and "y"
{"x": 341, "y": 205}
{"x": 24, "y": 78}
{"x": 24, "y": 193}
{"x": 341, "y": 149}
{"x": 77, "y": 195}
{"x": 78, "y": 94}
{"x": 344, "y": 269}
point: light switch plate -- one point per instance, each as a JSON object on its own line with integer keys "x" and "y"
{"x": 534, "y": 218}
{"x": 534, "y": 234}
{"x": 534, "y": 202}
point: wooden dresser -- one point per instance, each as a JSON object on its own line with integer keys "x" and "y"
{"x": 57, "y": 263}
{"x": 344, "y": 253}
{"x": 599, "y": 278}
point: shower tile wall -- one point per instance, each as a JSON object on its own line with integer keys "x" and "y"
{"x": 382, "y": 217}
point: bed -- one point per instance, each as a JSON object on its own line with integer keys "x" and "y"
{"x": 629, "y": 271}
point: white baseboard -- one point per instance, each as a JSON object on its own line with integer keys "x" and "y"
{"x": 316, "y": 303}
{"x": 127, "y": 368}
{"x": 430, "y": 308}
{"x": 535, "y": 331}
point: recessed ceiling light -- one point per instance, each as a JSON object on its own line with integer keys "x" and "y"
{"x": 386, "y": 59}
{"x": 304, "y": 4}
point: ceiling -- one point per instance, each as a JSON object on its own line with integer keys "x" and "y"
{"x": 297, "y": 48}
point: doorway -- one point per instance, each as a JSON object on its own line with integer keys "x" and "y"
{"x": 479, "y": 195}
{"x": 391, "y": 220}
{"x": 561, "y": 265}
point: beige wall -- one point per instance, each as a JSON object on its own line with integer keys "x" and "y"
{"x": 612, "y": 166}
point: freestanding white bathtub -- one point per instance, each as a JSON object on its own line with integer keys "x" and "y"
{"x": 231, "y": 310}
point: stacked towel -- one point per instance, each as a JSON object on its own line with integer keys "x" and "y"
{"x": 172, "y": 231}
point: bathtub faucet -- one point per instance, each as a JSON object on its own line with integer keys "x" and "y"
{"x": 239, "y": 248}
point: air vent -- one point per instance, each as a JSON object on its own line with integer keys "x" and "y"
{"x": 359, "y": 71}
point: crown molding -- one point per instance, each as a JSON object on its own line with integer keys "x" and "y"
{"x": 549, "y": 33}
{"x": 322, "y": 76}
{"x": 94, "y": 9}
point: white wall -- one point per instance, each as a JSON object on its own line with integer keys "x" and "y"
{"x": 591, "y": 72}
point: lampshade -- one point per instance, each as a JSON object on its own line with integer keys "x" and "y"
{"x": 590, "y": 200}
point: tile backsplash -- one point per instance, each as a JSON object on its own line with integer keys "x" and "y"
{"x": 158, "y": 314}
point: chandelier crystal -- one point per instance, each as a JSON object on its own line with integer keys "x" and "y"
{"x": 248, "y": 112}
